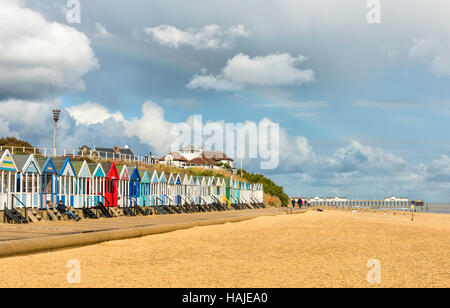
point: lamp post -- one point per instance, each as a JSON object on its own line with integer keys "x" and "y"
{"x": 55, "y": 118}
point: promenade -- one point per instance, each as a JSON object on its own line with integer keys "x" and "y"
{"x": 47, "y": 236}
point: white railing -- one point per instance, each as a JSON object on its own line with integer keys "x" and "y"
{"x": 78, "y": 153}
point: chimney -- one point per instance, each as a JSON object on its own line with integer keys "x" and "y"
{"x": 117, "y": 149}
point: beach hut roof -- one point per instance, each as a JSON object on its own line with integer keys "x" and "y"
{"x": 171, "y": 180}
{"x": 21, "y": 161}
{"x": 162, "y": 177}
{"x": 185, "y": 179}
{"x": 178, "y": 179}
{"x": 135, "y": 175}
{"x": 64, "y": 166}
{"x": 97, "y": 170}
{"x": 123, "y": 172}
{"x": 81, "y": 169}
{"x": 146, "y": 177}
{"x": 26, "y": 163}
{"x": 7, "y": 162}
{"x": 47, "y": 165}
{"x": 112, "y": 172}
{"x": 155, "y": 178}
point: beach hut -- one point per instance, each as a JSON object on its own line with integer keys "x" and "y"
{"x": 203, "y": 189}
{"x": 162, "y": 192}
{"x": 67, "y": 177}
{"x": 135, "y": 185}
{"x": 8, "y": 183}
{"x": 49, "y": 182}
{"x": 97, "y": 186}
{"x": 145, "y": 197}
{"x": 154, "y": 186}
{"x": 209, "y": 190}
{"x": 185, "y": 188}
{"x": 123, "y": 185}
{"x": 111, "y": 184}
{"x": 81, "y": 187}
{"x": 28, "y": 180}
{"x": 171, "y": 189}
{"x": 178, "y": 189}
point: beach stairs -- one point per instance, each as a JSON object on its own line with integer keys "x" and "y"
{"x": 159, "y": 210}
{"x": 34, "y": 216}
{"x": 141, "y": 210}
{"x": 187, "y": 208}
{"x": 128, "y": 211}
{"x": 103, "y": 210}
{"x": 88, "y": 213}
{"x": 54, "y": 214}
{"x": 176, "y": 209}
{"x": 13, "y": 216}
{"x": 116, "y": 212}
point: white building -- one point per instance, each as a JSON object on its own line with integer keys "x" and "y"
{"x": 336, "y": 199}
{"x": 191, "y": 157}
{"x": 395, "y": 199}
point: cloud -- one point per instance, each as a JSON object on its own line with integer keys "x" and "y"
{"x": 152, "y": 128}
{"x": 92, "y": 113}
{"x": 438, "y": 170}
{"x": 435, "y": 52}
{"x": 101, "y": 31}
{"x": 39, "y": 58}
{"x": 278, "y": 69}
{"x": 365, "y": 159}
{"x": 210, "y": 82}
{"x": 207, "y": 37}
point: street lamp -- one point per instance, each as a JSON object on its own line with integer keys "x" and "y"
{"x": 55, "y": 118}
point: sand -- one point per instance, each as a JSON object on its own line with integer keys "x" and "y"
{"x": 313, "y": 249}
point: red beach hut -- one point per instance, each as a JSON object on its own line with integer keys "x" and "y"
{"x": 111, "y": 183}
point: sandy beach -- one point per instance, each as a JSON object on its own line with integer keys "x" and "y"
{"x": 313, "y": 249}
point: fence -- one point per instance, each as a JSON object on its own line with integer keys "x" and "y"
{"x": 83, "y": 154}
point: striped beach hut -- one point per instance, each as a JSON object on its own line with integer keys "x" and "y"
{"x": 145, "y": 197}
{"x": 124, "y": 185}
{"x": 135, "y": 185}
{"x": 162, "y": 192}
{"x": 171, "y": 189}
{"x": 82, "y": 189}
{"x": 67, "y": 177}
{"x": 28, "y": 180}
{"x": 8, "y": 183}
{"x": 97, "y": 187}
{"x": 49, "y": 182}
{"x": 178, "y": 189}
{"x": 154, "y": 188}
{"x": 185, "y": 187}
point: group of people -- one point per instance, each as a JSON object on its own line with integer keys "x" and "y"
{"x": 300, "y": 202}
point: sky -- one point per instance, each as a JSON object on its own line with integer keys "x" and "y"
{"x": 363, "y": 108}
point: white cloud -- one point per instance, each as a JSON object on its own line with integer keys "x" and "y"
{"x": 206, "y": 37}
{"x": 92, "y": 113}
{"x": 211, "y": 82}
{"x": 278, "y": 69}
{"x": 435, "y": 52}
{"x": 39, "y": 58}
{"x": 362, "y": 158}
{"x": 101, "y": 31}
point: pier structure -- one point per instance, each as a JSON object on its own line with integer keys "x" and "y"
{"x": 387, "y": 203}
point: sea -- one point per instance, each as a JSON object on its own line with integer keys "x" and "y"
{"x": 441, "y": 208}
